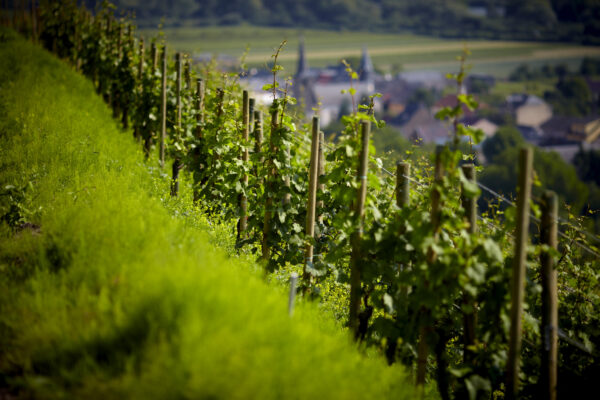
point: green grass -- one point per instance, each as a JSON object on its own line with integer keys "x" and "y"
{"x": 110, "y": 294}
{"x": 537, "y": 87}
{"x": 410, "y": 51}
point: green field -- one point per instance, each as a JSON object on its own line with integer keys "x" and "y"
{"x": 410, "y": 52}
{"x": 110, "y": 289}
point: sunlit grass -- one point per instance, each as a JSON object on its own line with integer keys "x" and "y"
{"x": 115, "y": 291}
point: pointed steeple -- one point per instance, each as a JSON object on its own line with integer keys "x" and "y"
{"x": 302, "y": 68}
{"x": 366, "y": 66}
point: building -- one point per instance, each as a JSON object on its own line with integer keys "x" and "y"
{"x": 529, "y": 111}
{"x": 325, "y": 89}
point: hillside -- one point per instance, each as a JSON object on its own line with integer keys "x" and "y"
{"x": 390, "y": 52}
{"x": 546, "y": 20}
{"x": 106, "y": 293}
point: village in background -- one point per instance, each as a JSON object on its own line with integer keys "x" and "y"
{"x": 535, "y": 75}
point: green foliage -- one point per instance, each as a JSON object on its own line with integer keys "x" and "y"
{"x": 502, "y": 151}
{"x": 587, "y": 163}
{"x": 423, "y": 268}
{"x": 572, "y": 97}
{"x": 524, "y": 20}
{"x": 505, "y": 138}
{"x": 122, "y": 292}
{"x": 590, "y": 66}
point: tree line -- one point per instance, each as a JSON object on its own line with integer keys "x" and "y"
{"x": 573, "y": 21}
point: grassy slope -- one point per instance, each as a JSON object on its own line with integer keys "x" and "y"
{"x": 411, "y": 51}
{"x": 117, "y": 298}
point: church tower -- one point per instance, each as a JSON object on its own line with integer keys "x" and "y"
{"x": 366, "y": 70}
{"x": 302, "y": 67}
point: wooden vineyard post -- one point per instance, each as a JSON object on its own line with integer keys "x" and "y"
{"x": 311, "y": 203}
{"x": 125, "y": 98}
{"x": 436, "y": 206}
{"x": 287, "y": 197}
{"x": 403, "y": 200}
{"x": 154, "y": 57}
{"x": 292, "y": 297}
{"x": 178, "y": 88}
{"x": 251, "y": 104}
{"x": 199, "y": 107}
{"x": 242, "y": 225}
{"x": 518, "y": 272}
{"x": 197, "y": 172}
{"x": 115, "y": 92}
{"x": 120, "y": 40}
{"x": 469, "y": 319}
{"x": 321, "y": 172}
{"x": 548, "y": 233}
{"x": 177, "y": 162}
{"x": 136, "y": 129}
{"x": 218, "y": 115}
{"x": 272, "y": 173}
{"x": 141, "y": 61}
{"x": 197, "y": 151}
{"x": 105, "y": 86}
{"x": 130, "y": 41}
{"x": 355, "y": 258}
{"x": 402, "y": 184}
{"x": 188, "y": 79}
{"x": 163, "y": 107}
{"x": 258, "y": 140}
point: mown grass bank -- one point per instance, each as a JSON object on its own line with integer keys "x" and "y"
{"x": 104, "y": 293}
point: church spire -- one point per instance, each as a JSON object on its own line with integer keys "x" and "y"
{"x": 366, "y": 66}
{"x": 302, "y": 68}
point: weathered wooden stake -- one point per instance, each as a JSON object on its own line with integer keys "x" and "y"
{"x": 141, "y": 62}
{"x": 548, "y": 233}
{"x": 436, "y": 208}
{"x": 188, "y": 77}
{"x": 402, "y": 200}
{"x": 154, "y": 57}
{"x": 402, "y": 184}
{"x": 518, "y": 272}
{"x": 199, "y": 107}
{"x": 177, "y": 162}
{"x": 163, "y": 107}
{"x": 321, "y": 186}
{"x": 355, "y": 258}
{"x": 219, "y": 114}
{"x": 469, "y": 319}
{"x": 243, "y": 222}
{"x": 136, "y": 129}
{"x": 197, "y": 173}
{"x": 293, "y": 284}
{"x": 311, "y": 203}
{"x": 178, "y": 88}
{"x": 266, "y": 251}
{"x": 130, "y": 35}
{"x": 258, "y": 139}
{"x": 120, "y": 40}
{"x": 251, "y": 113}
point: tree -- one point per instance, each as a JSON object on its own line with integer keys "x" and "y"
{"x": 423, "y": 96}
{"x": 506, "y": 137}
{"x": 551, "y": 170}
{"x": 572, "y": 97}
{"x": 587, "y": 164}
{"x": 590, "y": 66}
